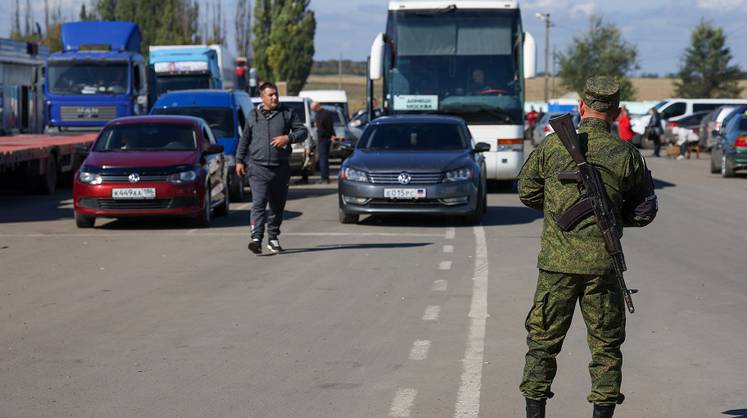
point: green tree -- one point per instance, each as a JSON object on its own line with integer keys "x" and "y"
{"x": 599, "y": 51}
{"x": 262, "y": 27}
{"x": 706, "y": 70}
{"x": 291, "y": 51}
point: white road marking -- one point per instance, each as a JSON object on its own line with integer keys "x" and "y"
{"x": 244, "y": 206}
{"x": 432, "y": 313}
{"x": 440, "y": 286}
{"x": 450, "y": 233}
{"x": 202, "y": 233}
{"x": 420, "y": 349}
{"x": 448, "y": 249}
{"x": 402, "y": 402}
{"x": 444, "y": 265}
{"x": 468, "y": 399}
{"x": 191, "y": 231}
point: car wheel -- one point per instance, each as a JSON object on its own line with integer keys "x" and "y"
{"x": 84, "y": 221}
{"x": 236, "y": 187}
{"x": 205, "y": 216}
{"x": 727, "y": 169}
{"x": 715, "y": 163}
{"x": 347, "y": 218}
{"x": 224, "y": 207}
{"x": 475, "y": 217}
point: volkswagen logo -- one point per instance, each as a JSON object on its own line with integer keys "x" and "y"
{"x": 134, "y": 178}
{"x": 404, "y": 178}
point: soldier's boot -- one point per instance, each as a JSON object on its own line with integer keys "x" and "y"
{"x": 535, "y": 408}
{"x": 603, "y": 411}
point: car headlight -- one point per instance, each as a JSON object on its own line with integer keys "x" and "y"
{"x": 461, "y": 174}
{"x": 354, "y": 175}
{"x": 183, "y": 177}
{"x": 89, "y": 178}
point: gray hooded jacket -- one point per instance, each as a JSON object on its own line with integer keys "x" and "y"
{"x": 254, "y": 145}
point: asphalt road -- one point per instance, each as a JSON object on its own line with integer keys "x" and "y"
{"x": 401, "y": 317}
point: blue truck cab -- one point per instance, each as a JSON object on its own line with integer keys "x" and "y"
{"x": 226, "y": 113}
{"x": 183, "y": 67}
{"x": 99, "y": 75}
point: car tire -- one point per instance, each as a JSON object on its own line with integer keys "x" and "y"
{"x": 347, "y": 218}
{"x": 475, "y": 217}
{"x": 727, "y": 168}
{"x": 715, "y": 162}
{"x": 84, "y": 221}
{"x": 202, "y": 220}
{"x": 236, "y": 188}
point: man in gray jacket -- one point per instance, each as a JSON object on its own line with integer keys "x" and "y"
{"x": 263, "y": 151}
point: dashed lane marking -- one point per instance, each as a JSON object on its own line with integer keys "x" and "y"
{"x": 432, "y": 313}
{"x": 420, "y": 349}
{"x": 440, "y": 285}
{"x": 450, "y": 233}
{"x": 402, "y": 402}
{"x": 448, "y": 249}
{"x": 444, "y": 265}
{"x": 468, "y": 398}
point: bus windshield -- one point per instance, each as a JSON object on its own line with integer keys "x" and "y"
{"x": 88, "y": 77}
{"x": 460, "y": 62}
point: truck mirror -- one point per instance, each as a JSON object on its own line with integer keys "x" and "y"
{"x": 530, "y": 56}
{"x": 376, "y": 66}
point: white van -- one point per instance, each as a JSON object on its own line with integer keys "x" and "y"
{"x": 671, "y": 108}
{"x": 329, "y": 97}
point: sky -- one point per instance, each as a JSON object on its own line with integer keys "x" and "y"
{"x": 659, "y": 28}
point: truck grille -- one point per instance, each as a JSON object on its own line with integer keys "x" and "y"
{"x": 415, "y": 178}
{"x": 88, "y": 113}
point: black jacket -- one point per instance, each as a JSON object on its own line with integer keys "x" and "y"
{"x": 325, "y": 124}
{"x": 254, "y": 145}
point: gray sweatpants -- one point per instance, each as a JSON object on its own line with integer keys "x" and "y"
{"x": 269, "y": 186}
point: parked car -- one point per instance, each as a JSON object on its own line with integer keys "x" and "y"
{"x": 225, "y": 112}
{"x": 152, "y": 165}
{"x": 684, "y": 127}
{"x": 414, "y": 164}
{"x": 543, "y": 128}
{"x": 729, "y": 153}
{"x": 302, "y": 107}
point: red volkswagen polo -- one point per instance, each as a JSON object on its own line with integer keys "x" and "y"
{"x": 152, "y": 165}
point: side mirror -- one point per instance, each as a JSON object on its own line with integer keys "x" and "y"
{"x": 376, "y": 66}
{"x": 530, "y": 56}
{"x": 481, "y": 147}
{"x": 214, "y": 149}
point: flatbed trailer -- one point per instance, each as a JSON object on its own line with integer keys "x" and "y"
{"x": 38, "y": 162}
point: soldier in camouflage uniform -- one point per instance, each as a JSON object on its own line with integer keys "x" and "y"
{"x": 574, "y": 266}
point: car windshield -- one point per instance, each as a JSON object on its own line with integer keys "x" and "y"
{"x": 147, "y": 137}
{"x": 88, "y": 77}
{"x": 220, "y": 119}
{"x": 166, "y": 84}
{"x": 413, "y": 137}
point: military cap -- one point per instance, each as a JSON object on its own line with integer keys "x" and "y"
{"x": 602, "y": 93}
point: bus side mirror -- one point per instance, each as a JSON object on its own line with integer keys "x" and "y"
{"x": 530, "y": 56}
{"x": 376, "y": 67}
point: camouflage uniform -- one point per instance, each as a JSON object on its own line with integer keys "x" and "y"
{"x": 574, "y": 266}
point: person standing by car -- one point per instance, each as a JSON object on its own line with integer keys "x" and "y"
{"x": 325, "y": 133}
{"x": 654, "y": 131}
{"x": 263, "y": 151}
{"x": 574, "y": 264}
{"x": 623, "y": 126}
{"x": 532, "y": 118}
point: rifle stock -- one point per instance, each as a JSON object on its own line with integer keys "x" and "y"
{"x": 592, "y": 187}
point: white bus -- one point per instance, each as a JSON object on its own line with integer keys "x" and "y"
{"x": 464, "y": 58}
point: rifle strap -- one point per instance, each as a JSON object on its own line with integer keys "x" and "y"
{"x": 572, "y": 216}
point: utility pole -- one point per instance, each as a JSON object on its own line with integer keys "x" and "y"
{"x": 546, "y": 18}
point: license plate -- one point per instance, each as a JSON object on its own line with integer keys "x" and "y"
{"x": 134, "y": 193}
{"x": 404, "y": 193}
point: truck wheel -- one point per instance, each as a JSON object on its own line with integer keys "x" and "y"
{"x": 236, "y": 187}
{"x": 347, "y": 218}
{"x": 47, "y": 182}
{"x": 84, "y": 221}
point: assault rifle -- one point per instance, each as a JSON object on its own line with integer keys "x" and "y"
{"x": 594, "y": 201}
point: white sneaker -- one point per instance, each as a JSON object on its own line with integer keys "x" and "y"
{"x": 680, "y": 157}
{"x": 274, "y": 246}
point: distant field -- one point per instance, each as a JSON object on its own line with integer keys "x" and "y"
{"x": 355, "y": 86}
